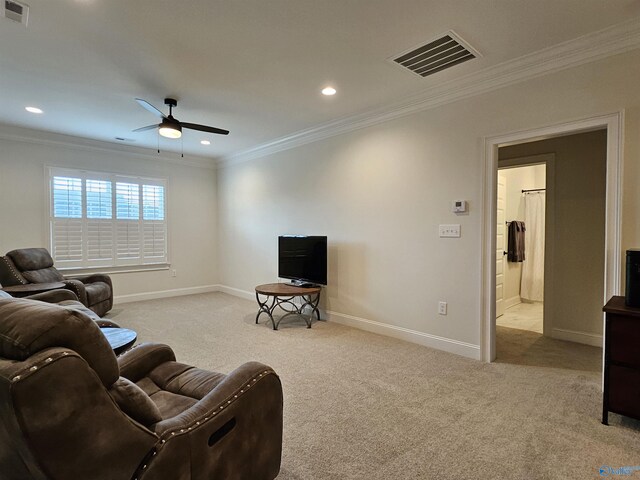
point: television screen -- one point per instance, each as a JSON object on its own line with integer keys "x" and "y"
{"x": 302, "y": 258}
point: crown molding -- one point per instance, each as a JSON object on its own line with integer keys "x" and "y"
{"x": 614, "y": 40}
{"x": 41, "y": 137}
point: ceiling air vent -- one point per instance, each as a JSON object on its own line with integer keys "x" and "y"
{"x": 16, "y": 11}
{"x": 437, "y": 55}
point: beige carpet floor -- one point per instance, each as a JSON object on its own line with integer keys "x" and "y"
{"x": 364, "y": 406}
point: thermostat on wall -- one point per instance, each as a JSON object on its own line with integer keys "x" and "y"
{"x": 459, "y": 206}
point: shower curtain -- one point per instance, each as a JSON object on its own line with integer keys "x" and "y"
{"x": 532, "y": 281}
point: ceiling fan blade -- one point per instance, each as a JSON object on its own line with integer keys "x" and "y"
{"x": 147, "y": 106}
{"x": 144, "y": 129}
{"x": 204, "y": 128}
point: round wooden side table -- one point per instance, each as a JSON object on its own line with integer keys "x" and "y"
{"x": 120, "y": 339}
{"x": 282, "y": 295}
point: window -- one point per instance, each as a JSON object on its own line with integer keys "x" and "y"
{"x": 107, "y": 220}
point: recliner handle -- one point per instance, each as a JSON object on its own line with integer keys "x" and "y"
{"x": 222, "y": 432}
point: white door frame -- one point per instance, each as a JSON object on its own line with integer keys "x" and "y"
{"x": 615, "y": 131}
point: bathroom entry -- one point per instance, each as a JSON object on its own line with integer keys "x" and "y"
{"x": 581, "y": 250}
{"x": 520, "y": 247}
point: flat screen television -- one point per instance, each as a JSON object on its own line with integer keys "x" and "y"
{"x": 303, "y": 259}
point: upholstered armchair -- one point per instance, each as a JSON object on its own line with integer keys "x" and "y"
{"x": 67, "y": 299}
{"x": 35, "y": 265}
{"x": 71, "y": 410}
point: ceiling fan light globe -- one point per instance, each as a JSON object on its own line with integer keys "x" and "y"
{"x": 170, "y": 131}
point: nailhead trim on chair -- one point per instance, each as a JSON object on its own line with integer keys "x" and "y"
{"x": 168, "y": 435}
{"x": 29, "y": 369}
{"x": 74, "y": 288}
{"x": 13, "y": 270}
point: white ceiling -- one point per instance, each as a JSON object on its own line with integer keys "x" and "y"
{"x": 254, "y": 67}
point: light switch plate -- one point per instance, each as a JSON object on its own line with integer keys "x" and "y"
{"x": 450, "y": 230}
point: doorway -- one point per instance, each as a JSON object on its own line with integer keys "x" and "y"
{"x": 520, "y": 241}
{"x": 612, "y": 125}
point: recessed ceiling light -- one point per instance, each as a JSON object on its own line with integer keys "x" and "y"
{"x": 205, "y": 142}
{"x": 33, "y": 109}
{"x": 328, "y": 91}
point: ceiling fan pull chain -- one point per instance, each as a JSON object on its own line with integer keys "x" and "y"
{"x": 158, "y": 136}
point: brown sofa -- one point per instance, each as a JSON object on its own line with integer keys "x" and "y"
{"x": 71, "y": 410}
{"x": 35, "y": 265}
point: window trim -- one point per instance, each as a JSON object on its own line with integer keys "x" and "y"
{"x": 113, "y": 264}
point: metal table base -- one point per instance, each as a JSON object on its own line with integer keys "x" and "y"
{"x": 289, "y": 306}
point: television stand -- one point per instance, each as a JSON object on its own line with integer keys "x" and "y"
{"x": 282, "y": 295}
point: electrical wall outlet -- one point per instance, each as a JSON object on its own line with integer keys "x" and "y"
{"x": 174, "y": 273}
{"x": 442, "y": 308}
{"x": 449, "y": 231}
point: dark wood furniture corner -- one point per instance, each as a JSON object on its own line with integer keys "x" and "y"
{"x": 621, "y": 360}
{"x": 282, "y": 295}
{"x": 32, "y": 288}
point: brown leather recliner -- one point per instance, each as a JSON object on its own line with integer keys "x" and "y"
{"x": 35, "y": 265}
{"x": 71, "y": 410}
{"x": 67, "y": 299}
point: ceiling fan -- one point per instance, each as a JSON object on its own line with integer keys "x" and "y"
{"x": 171, "y": 127}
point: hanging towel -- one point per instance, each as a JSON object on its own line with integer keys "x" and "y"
{"x": 515, "y": 250}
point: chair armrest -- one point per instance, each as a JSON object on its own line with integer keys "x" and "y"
{"x": 77, "y": 287}
{"x": 235, "y": 431}
{"x": 248, "y": 377}
{"x": 95, "y": 277}
{"x": 54, "y": 296}
{"x": 141, "y": 359}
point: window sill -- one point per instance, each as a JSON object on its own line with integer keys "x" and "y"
{"x": 77, "y": 272}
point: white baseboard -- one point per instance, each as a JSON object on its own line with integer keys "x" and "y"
{"x": 236, "y": 292}
{"x": 177, "y": 292}
{"x": 510, "y": 302}
{"x": 433, "y": 341}
{"x": 577, "y": 337}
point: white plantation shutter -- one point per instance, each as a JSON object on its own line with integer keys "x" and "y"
{"x": 128, "y": 249}
{"x": 99, "y": 224}
{"x": 99, "y": 198}
{"x": 67, "y": 241}
{"x": 100, "y": 241}
{"x": 128, "y": 241}
{"x": 67, "y": 197}
{"x": 153, "y": 225}
{"x": 153, "y": 202}
{"x": 155, "y": 240}
{"x": 100, "y": 219}
{"x": 127, "y": 201}
{"x": 66, "y": 230}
